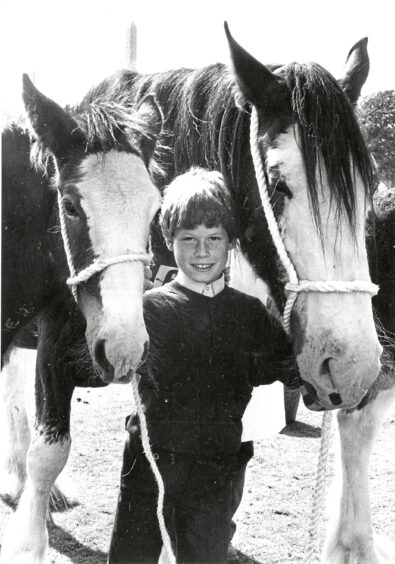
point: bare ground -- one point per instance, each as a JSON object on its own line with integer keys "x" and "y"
{"x": 274, "y": 516}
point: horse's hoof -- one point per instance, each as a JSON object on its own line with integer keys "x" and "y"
{"x": 380, "y": 551}
{"x": 30, "y": 550}
{"x": 63, "y": 495}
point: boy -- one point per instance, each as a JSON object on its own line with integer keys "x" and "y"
{"x": 209, "y": 344}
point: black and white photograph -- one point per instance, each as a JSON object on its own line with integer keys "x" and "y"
{"x": 197, "y": 282}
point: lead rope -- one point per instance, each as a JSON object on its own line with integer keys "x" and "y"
{"x": 320, "y": 488}
{"x": 73, "y": 281}
{"x": 167, "y": 556}
{"x": 293, "y": 287}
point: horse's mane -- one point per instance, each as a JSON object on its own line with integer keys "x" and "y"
{"x": 14, "y": 128}
{"x": 107, "y": 120}
{"x": 103, "y": 117}
{"x": 206, "y": 123}
{"x": 209, "y": 124}
{"x": 202, "y": 112}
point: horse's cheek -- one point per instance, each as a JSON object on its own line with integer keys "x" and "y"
{"x": 298, "y": 329}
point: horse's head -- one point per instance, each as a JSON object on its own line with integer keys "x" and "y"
{"x": 317, "y": 172}
{"x": 107, "y": 202}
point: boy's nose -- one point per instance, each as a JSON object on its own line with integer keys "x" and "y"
{"x": 201, "y": 249}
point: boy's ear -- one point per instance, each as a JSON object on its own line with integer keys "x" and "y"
{"x": 169, "y": 244}
{"x": 232, "y": 244}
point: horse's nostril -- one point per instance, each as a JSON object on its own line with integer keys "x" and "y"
{"x": 335, "y": 398}
{"x": 100, "y": 356}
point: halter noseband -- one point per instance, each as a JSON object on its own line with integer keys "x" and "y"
{"x": 98, "y": 265}
{"x": 294, "y": 285}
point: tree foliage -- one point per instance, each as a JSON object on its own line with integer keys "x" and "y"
{"x": 377, "y": 116}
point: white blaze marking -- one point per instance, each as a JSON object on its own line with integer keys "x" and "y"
{"x": 119, "y": 200}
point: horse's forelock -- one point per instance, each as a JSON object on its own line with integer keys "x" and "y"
{"x": 207, "y": 125}
{"x": 107, "y": 125}
{"x": 204, "y": 114}
{"x": 329, "y": 134}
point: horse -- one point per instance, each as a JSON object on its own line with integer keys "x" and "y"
{"x": 318, "y": 172}
{"x": 99, "y": 190}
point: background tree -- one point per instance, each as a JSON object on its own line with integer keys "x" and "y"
{"x": 377, "y": 116}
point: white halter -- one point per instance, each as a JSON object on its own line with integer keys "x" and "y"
{"x": 99, "y": 264}
{"x": 293, "y": 287}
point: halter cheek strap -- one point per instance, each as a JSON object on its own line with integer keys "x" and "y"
{"x": 98, "y": 265}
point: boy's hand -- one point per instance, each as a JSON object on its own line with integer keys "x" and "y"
{"x": 147, "y": 278}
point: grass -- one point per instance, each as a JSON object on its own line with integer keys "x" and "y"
{"x": 272, "y": 521}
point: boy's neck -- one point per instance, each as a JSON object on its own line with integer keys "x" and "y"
{"x": 210, "y": 289}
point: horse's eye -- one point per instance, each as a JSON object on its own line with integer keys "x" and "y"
{"x": 69, "y": 208}
{"x": 282, "y": 187}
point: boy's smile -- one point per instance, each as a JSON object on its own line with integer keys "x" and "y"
{"x": 202, "y": 252}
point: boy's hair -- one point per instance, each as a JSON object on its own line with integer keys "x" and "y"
{"x": 197, "y": 197}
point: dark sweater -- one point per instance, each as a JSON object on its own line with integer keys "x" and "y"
{"x": 205, "y": 356}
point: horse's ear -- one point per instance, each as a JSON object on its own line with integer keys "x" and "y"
{"x": 55, "y": 130}
{"x": 356, "y": 70}
{"x": 252, "y": 77}
{"x": 150, "y": 115}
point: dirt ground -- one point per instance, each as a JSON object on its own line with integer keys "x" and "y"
{"x": 272, "y": 522}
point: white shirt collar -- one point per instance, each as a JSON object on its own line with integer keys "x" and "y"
{"x": 209, "y": 290}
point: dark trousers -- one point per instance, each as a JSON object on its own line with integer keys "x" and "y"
{"x": 245, "y": 454}
{"x": 198, "y": 496}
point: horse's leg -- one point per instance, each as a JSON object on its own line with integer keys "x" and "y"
{"x": 14, "y": 427}
{"x": 291, "y": 404}
{"x": 16, "y": 390}
{"x": 351, "y": 539}
{"x": 25, "y": 539}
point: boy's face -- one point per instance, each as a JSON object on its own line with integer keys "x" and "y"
{"x": 202, "y": 252}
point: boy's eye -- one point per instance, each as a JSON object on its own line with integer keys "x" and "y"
{"x": 215, "y": 238}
